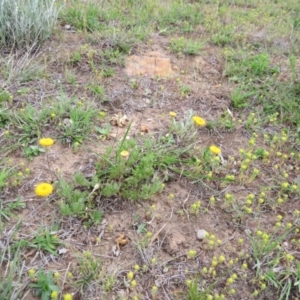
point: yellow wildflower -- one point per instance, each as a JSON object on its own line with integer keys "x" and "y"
{"x": 68, "y": 297}
{"x": 130, "y": 275}
{"x": 214, "y": 149}
{"x": 133, "y": 284}
{"x": 46, "y": 142}
{"x": 54, "y": 295}
{"x": 124, "y": 154}
{"x": 44, "y": 189}
{"x": 172, "y": 114}
{"x": 199, "y": 121}
{"x": 31, "y": 273}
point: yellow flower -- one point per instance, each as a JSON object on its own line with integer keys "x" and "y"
{"x": 136, "y": 267}
{"x": 46, "y": 142}
{"x": 133, "y": 284}
{"x": 124, "y": 154}
{"x": 214, "y": 149}
{"x": 199, "y": 121}
{"x": 44, "y": 189}
{"x": 54, "y": 295}
{"x": 68, "y": 297}
{"x": 130, "y": 275}
{"x": 172, "y": 114}
{"x": 31, "y": 273}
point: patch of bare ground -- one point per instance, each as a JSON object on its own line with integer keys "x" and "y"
{"x": 172, "y": 229}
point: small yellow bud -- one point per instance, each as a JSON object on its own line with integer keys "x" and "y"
{"x": 130, "y": 275}
{"x": 31, "y": 273}
{"x": 54, "y": 295}
{"x": 133, "y": 283}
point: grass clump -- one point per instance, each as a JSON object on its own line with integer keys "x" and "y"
{"x": 134, "y": 170}
{"x": 11, "y": 285}
{"x": 183, "y": 46}
{"x": 72, "y": 119}
{"x": 26, "y": 23}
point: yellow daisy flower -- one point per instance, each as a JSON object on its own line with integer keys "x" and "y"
{"x": 172, "y": 114}
{"x": 199, "y": 121}
{"x": 215, "y": 150}
{"x": 46, "y": 142}
{"x": 44, "y": 189}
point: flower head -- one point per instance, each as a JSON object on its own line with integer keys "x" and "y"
{"x": 46, "y": 142}
{"x": 124, "y": 154}
{"x": 133, "y": 283}
{"x": 54, "y": 295}
{"x": 68, "y": 297}
{"x": 31, "y": 273}
{"x": 172, "y": 114}
{"x": 44, "y": 189}
{"x": 130, "y": 275}
{"x": 199, "y": 121}
{"x": 214, "y": 149}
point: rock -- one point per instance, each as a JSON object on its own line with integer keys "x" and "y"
{"x": 150, "y": 64}
{"x": 201, "y": 233}
{"x": 67, "y": 27}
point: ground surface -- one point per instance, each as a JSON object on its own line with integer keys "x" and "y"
{"x": 252, "y": 218}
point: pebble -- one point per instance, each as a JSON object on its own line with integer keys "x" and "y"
{"x": 201, "y": 233}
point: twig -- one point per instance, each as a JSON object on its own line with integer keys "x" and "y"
{"x": 159, "y": 231}
{"x": 186, "y": 199}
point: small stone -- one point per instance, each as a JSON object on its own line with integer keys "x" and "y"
{"x": 67, "y": 27}
{"x": 201, "y": 233}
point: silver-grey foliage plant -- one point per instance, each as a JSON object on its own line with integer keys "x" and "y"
{"x": 24, "y": 23}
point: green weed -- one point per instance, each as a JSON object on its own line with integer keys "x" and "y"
{"x": 11, "y": 284}
{"x": 47, "y": 241}
{"x": 184, "y": 46}
{"x": 89, "y": 271}
{"x": 45, "y": 285}
{"x": 6, "y": 210}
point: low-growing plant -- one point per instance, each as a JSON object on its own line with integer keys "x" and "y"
{"x": 11, "y": 284}
{"x": 6, "y": 210}
{"x": 82, "y": 16}
{"x": 89, "y": 271}
{"x": 196, "y": 292}
{"x": 80, "y": 202}
{"x": 133, "y": 170}
{"x": 240, "y": 98}
{"x": 74, "y": 119}
{"x": 183, "y": 130}
{"x": 241, "y": 66}
{"x": 44, "y": 285}
{"x": 45, "y": 240}
{"x": 183, "y": 46}
{"x": 98, "y": 91}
